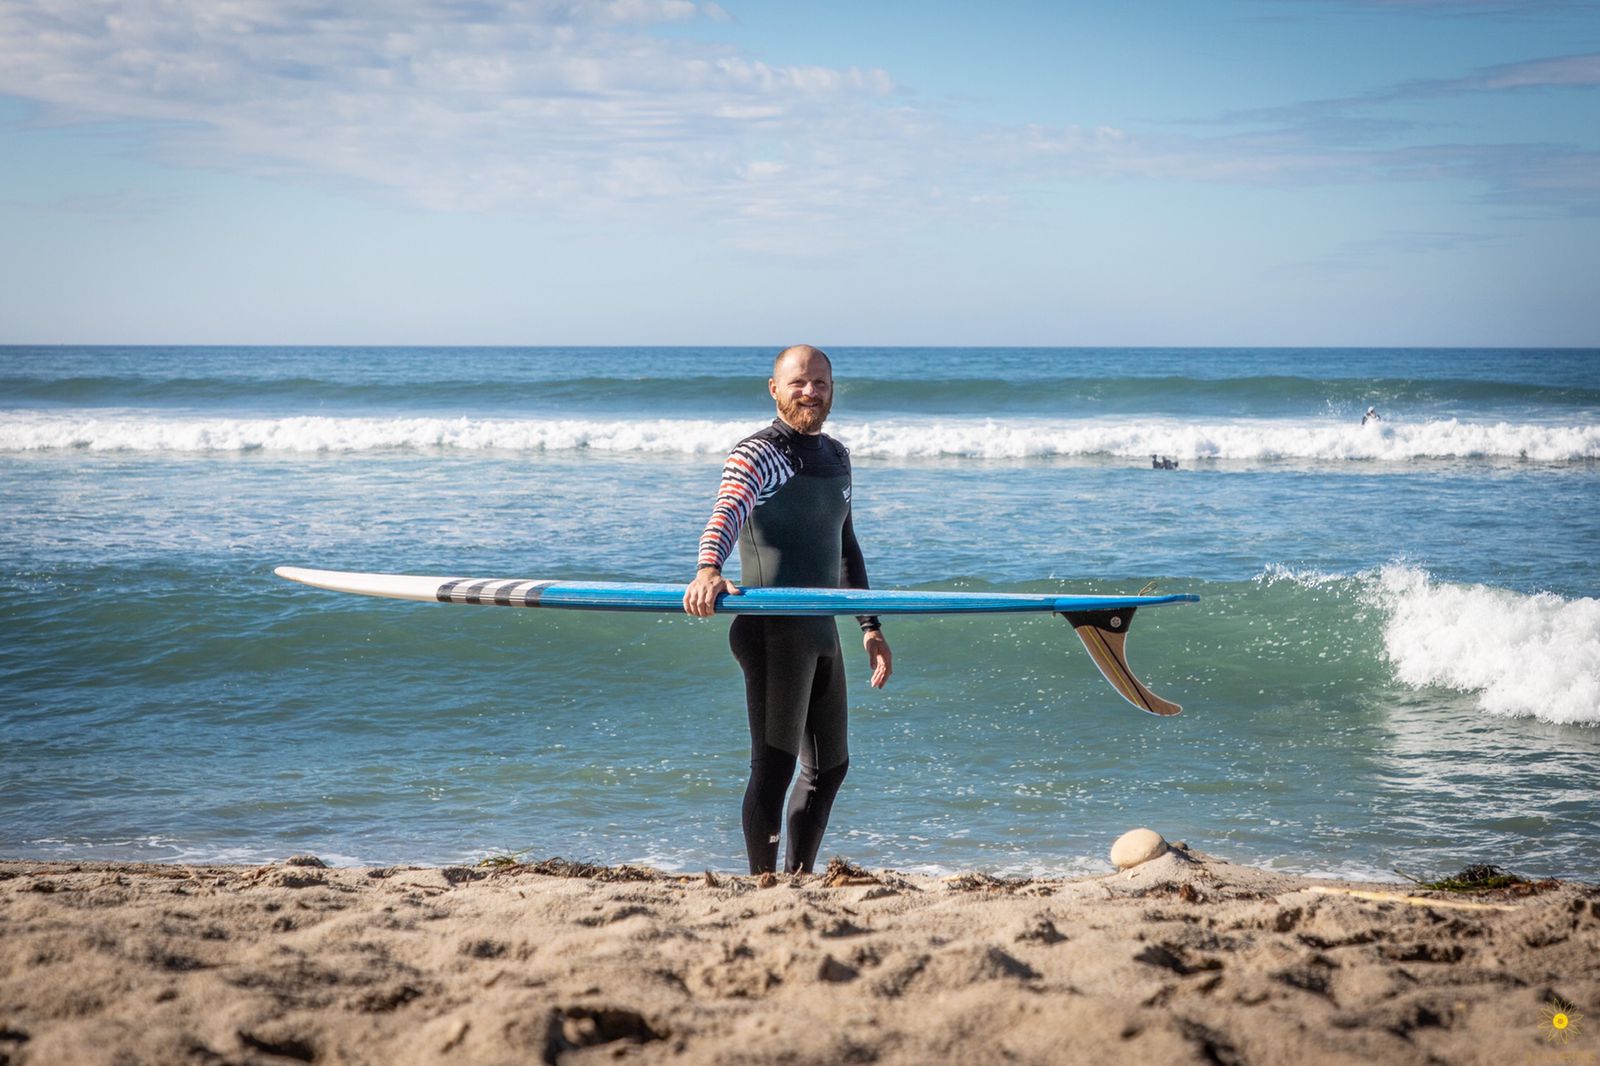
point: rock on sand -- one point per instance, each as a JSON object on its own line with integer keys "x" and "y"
{"x": 1137, "y": 846}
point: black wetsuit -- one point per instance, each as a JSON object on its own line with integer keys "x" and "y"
{"x": 785, "y": 497}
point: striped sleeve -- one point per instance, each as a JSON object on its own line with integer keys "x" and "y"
{"x": 754, "y": 471}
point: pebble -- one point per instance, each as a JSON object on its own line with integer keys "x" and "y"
{"x": 1137, "y": 846}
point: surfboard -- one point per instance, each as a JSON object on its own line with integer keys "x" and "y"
{"x": 1101, "y": 622}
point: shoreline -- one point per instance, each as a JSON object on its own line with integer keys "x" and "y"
{"x": 1185, "y": 958}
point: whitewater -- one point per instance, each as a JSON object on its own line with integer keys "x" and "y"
{"x": 967, "y": 438}
{"x": 1514, "y": 653}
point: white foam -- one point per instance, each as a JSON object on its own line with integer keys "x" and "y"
{"x": 1256, "y": 439}
{"x": 1305, "y": 577}
{"x": 1248, "y": 440}
{"x": 22, "y": 431}
{"x": 1521, "y": 654}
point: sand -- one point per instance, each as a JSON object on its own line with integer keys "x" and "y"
{"x": 1186, "y": 959}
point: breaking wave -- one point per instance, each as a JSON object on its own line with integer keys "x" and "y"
{"x": 1248, "y": 440}
{"x": 1518, "y": 654}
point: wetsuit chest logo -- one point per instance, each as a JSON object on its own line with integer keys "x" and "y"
{"x": 846, "y": 491}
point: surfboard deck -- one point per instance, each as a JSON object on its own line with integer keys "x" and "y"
{"x": 1101, "y": 622}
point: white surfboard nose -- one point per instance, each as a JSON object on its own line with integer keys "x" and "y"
{"x": 390, "y": 586}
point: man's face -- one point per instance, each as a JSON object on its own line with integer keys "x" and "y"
{"x": 803, "y": 386}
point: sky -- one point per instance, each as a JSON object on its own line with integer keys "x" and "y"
{"x": 668, "y": 172}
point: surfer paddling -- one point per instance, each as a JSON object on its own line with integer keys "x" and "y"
{"x": 785, "y": 501}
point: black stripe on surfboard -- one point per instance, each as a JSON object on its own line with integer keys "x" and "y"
{"x": 505, "y": 593}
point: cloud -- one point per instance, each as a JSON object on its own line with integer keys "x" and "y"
{"x": 1305, "y": 149}
{"x": 1556, "y": 72}
{"x": 450, "y": 106}
{"x": 1348, "y": 118}
{"x": 1491, "y": 9}
{"x": 1354, "y": 138}
{"x": 581, "y": 107}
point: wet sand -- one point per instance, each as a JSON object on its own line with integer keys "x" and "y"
{"x": 1185, "y": 959}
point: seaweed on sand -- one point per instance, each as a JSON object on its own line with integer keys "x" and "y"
{"x": 977, "y": 881}
{"x": 504, "y": 860}
{"x": 1481, "y": 877}
{"x": 559, "y": 867}
{"x": 512, "y": 862}
{"x": 842, "y": 872}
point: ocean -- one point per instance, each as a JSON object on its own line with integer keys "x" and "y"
{"x": 1395, "y": 663}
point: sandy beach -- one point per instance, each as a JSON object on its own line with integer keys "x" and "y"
{"x": 1186, "y": 958}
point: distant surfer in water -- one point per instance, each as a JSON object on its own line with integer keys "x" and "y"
{"x": 1372, "y": 415}
{"x": 785, "y": 501}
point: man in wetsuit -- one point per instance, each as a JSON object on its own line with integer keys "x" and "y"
{"x": 785, "y": 500}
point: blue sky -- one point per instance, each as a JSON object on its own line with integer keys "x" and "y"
{"x": 1261, "y": 172}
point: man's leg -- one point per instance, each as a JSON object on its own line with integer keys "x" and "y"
{"x": 773, "y": 698}
{"x": 770, "y": 772}
{"x": 824, "y": 760}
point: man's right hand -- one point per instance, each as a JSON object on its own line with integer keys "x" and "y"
{"x": 700, "y": 598}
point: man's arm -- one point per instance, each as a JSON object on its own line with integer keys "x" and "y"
{"x": 855, "y": 571}
{"x": 872, "y": 638}
{"x": 744, "y": 478}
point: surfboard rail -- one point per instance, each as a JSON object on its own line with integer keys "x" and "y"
{"x": 1101, "y": 622}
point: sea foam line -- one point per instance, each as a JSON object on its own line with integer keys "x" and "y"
{"x": 1256, "y": 440}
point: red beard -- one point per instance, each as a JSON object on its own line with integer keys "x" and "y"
{"x": 805, "y": 419}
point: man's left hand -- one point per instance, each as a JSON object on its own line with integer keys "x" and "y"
{"x": 878, "y": 655}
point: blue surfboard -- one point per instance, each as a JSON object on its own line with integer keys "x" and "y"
{"x": 1101, "y": 622}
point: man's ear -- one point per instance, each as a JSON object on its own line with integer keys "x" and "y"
{"x": 772, "y": 387}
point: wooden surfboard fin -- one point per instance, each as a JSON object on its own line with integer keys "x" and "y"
{"x": 1105, "y": 637}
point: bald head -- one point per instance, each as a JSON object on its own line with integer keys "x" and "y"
{"x": 800, "y": 351}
